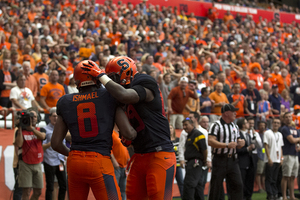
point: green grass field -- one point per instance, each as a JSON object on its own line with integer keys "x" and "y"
{"x": 255, "y": 196}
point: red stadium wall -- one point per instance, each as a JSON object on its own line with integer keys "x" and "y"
{"x": 200, "y": 9}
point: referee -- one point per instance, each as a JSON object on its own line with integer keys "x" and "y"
{"x": 224, "y": 138}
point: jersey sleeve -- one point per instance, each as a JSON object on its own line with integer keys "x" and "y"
{"x": 59, "y": 106}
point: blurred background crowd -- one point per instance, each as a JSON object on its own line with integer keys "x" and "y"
{"x": 252, "y": 65}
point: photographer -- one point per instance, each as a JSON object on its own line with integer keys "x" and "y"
{"x": 29, "y": 138}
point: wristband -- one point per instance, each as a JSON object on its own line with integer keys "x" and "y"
{"x": 104, "y": 79}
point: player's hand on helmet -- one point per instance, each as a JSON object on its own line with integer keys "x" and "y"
{"x": 92, "y": 69}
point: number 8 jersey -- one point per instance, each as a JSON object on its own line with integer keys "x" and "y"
{"x": 90, "y": 119}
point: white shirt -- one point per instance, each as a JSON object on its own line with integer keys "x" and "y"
{"x": 275, "y": 142}
{"x": 182, "y": 140}
{"x": 24, "y": 96}
{"x": 72, "y": 89}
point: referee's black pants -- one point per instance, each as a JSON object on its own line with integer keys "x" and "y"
{"x": 193, "y": 181}
{"x": 224, "y": 167}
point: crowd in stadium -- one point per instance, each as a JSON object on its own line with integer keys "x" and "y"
{"x": 252, "y": 65}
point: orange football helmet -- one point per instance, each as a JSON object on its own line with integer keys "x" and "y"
{"x": 121, "y": 70}
{"x": 81, "y": 79}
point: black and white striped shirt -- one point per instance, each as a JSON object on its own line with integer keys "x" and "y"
{"x": 224, "y": 133}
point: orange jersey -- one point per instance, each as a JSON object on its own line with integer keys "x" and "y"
{"x": 42, "y": 79}
{"x": 115, "y": 38}
{"x": 259, "y": 80}
{"x": 52, "y": 92}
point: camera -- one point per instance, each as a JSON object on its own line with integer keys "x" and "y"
{"x": 24, "y": 117}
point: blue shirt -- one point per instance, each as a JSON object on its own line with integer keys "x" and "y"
{"x": 289, "y": 148}
{"x": 275, "y": 101}
{"x": 51, "y": 157}
{"x": 206, "y": 109}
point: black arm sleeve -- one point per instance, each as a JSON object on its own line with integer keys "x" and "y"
{"x": 141, "y": 92}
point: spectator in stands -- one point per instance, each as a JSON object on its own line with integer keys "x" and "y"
{"x": 253, "y": 97}
{"x": 50, "y": 94}
{"x": 226, "y": 84}
{"x": 30, "y": 168}
{"x": 61, "y": 80}
{"x": 263, "y": 107}
{"x": 238, "y": 100}
{"x": 41, "y": 78}
{"x": 148, "y": 65}
{"x": 22, "y": 97}
{"x": 295, "y": 90}
{"x": 192, "y": 105}
{"x": 275, "y": 100}
{"x": 205, "y": 102}
{"x": 7, "y": 81}
{"x": 255, "y": 75}
{"x": 219, "y": 99}
{"x": 290, "y": 156}
{"x": 215, "y": 65}
{"x": 177, "y": 100}
{"x": 286, "y": 100}
{"x": 30, "y": 80}
{"x": 53, "y": 162}
{"x": 72, "y": 87}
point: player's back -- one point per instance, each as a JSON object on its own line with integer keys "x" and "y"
{"x": 90, "y": 119}
{"x": 153, "y": 132}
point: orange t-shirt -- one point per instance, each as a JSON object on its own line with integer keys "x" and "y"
{"x": 279, "y": 81}
{"x": 188, "y": 61}
{"x": 259, "y": 80}
{"x": 179, "y": 100}
{"x": 7, "y": 79}
{"x": 42, "y": 79}
{"x": 115, "y": 38}
{"x": 239, "y": 105}
{"x": 52, "y": 92}
{"x": 158, "y": 66}
{"x": 218, "y": 98}
{"x": 119, "y": 151}
{"x": 32, "y": 84}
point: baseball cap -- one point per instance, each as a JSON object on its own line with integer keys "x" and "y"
{"x": 296, "y": 107}
{"x": 228, "y": 107}
{"x": 185, "y": 79}
{"x": 274, "y": 86}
